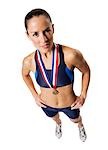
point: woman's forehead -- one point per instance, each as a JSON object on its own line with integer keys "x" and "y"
{"x": 38, "y": 22}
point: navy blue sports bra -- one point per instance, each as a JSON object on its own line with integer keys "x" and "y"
{"x": 65, "y": 75}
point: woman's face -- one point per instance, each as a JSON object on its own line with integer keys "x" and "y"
{"x": 40, "y": 31}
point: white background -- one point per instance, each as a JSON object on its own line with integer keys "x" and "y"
{"x": 81, "y": 24}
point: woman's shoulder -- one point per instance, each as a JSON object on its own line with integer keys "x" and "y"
{"x": 70, "y": 54}
{"x": 29, "y": 57}
{"x": 29, "y": 60}
{"x": 69, "y": 50}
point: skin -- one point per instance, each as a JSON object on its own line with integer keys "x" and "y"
{"x": 40, "y": 32}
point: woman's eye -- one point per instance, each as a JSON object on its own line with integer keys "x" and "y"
{"x": 48, "y": 30}
{"x": 35, "y": 34}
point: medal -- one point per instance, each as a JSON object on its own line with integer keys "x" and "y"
{"x": 54, "y": 69}
{"x": 55, "y": 91}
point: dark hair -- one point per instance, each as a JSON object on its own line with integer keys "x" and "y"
{"x": 36, "y": 12}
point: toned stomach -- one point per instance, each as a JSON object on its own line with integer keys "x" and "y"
{"x": 64, "y": 98}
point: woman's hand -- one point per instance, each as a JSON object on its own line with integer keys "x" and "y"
{"x": 40, "y": 102}
{"x": 78, "y": 102}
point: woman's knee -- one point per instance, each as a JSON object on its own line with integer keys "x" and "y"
{"x": 76, "y": 120}
{"x": 56, "y": 117}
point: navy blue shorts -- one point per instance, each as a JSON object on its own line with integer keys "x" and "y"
{"x": 51, "y": 112}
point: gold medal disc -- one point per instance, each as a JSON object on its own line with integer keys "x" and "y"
{"x": 55, "y": 92}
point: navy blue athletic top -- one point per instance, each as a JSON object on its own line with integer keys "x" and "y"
{"x": 65, "y": 75}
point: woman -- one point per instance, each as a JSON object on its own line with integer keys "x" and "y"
{"x": 53, "y": 65}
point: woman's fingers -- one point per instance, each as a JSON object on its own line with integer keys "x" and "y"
{"x": 76, "y": 104}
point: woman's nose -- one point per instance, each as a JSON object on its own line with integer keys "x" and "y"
{"x": 43, "y": 38}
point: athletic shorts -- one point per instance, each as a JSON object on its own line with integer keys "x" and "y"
{"x": 51, "y": 112}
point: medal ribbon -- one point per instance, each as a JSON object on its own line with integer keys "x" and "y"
{"x": 54, "y": 67}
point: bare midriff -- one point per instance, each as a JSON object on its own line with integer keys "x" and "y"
{"x": 64, "y": 98}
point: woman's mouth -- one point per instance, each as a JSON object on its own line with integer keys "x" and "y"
{"x": 45, "y": 46}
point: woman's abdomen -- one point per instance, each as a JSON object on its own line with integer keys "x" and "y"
{"x": 64, "y": 98}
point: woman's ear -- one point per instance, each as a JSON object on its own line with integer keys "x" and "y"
{"x": 53, "y": 27}
{"x": 27, "y": 34}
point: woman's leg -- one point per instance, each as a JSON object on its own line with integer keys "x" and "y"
{"x": 78, "y": 121}
{"x": 56, "y": 118}
{"x": 58, "y": 130}
{"x": 82, "y": 132}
